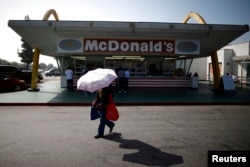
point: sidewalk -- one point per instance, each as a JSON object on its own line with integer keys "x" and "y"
{"x": 52, "y": 94}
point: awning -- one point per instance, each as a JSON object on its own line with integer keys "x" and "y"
{"x": 44, "y": 34}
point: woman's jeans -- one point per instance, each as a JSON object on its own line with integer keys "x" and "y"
{"x": 103, "y": 122}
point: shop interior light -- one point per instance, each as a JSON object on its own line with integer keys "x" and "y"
{"x": 182, "y": 56}
{"x": 79, "y": 57}
{"x": 114, "y": 58}
{"x": 131, "y": 58}
{"x": 170, "y": 58}
{"x": 126, "y": 58}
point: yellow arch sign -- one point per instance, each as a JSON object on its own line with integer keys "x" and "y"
{"x": 214, "y": 57}
{"x": 37, "y": 53}
{"x": 196, "y": 16}
{"x": 50, "y": 12}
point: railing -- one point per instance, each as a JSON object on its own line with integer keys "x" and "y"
{"x": 158, "y": 82}
{"x": 243, "y": 81}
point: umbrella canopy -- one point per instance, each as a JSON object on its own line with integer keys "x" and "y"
{"x": 96, "y": 79}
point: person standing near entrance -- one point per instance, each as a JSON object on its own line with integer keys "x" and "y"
{"x": 121, "y": 80}
{"x": 69, "y": 77}
{"x": 127, "y": 76}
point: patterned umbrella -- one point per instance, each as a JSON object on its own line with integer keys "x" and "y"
{"x": 96, "y": 79}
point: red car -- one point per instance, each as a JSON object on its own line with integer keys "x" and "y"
{"x": 11, "y": 84}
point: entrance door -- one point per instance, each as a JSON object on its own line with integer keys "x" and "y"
{"x": 155, "y": 69}
{"x": 152, "y": 71}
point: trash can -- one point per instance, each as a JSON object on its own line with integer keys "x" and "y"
{"x": 194, "y": 81}
{"x": 63, "y": 81}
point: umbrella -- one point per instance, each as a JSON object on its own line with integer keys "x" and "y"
{"x": 96, "y": 79}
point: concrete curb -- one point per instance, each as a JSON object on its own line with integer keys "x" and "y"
{"x": 128, "y": 104}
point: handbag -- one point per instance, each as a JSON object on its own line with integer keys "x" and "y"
{"x": 111, "y": 110}
{"x": 94, "y": 113}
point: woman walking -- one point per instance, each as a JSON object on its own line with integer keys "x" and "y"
{"x": 102, "y": 100}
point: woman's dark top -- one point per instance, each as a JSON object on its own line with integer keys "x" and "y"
{"x": 105, "y": 96}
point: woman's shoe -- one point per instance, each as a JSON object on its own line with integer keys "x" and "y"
{"x": 98, "y": 136}
{"x": 111, "y": 128}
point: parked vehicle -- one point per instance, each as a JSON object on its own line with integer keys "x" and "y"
{"x": 11, "y": 84}
{"x": 8, "y": 70}
{"x": 27, "y": 75}
{"x": 52, "y": 72}
{"x": 13, "y": 72}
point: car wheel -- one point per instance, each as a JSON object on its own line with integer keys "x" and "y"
{"x": 17, "y": 88}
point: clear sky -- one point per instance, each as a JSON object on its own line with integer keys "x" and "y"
{"x": 213, "y": 11}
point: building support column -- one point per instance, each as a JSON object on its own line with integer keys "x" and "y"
{"x": 35, "y": 71}
{"x": 216, "y": 69}
{"x": 37, "y": 53}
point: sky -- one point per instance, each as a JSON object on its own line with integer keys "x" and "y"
{"x": 213, "y": 11}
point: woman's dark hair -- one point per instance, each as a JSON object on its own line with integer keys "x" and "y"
{"x": 106, "y": 92}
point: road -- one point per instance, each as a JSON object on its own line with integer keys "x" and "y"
{"x": 143, "y": 136}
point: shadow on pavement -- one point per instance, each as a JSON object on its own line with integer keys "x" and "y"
{"x": 146, "y": 154}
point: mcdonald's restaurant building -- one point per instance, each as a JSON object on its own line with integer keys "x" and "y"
{"x": 150, "y": 50}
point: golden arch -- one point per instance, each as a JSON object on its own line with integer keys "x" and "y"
{"x": 214, "y": 57}
{"x": 196, "y": 16}
{"x": 50, "y": 12}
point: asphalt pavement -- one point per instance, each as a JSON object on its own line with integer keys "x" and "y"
{"x": 143, "y": 136}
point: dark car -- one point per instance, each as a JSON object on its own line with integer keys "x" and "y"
{"x": 52, "y": 72}
{"x": 11, "y": 84}
{"x": 8, "y": 70}
{"x": 27, "y": 75}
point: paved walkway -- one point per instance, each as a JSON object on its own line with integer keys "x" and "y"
{"x": 52, "y": 94}
{"x": 49, "y": 136}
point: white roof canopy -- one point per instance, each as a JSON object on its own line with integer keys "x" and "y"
{"x": 44, "y": 34}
